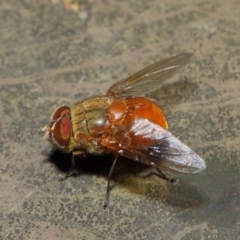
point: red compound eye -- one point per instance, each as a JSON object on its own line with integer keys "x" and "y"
{"x": 62, "y": 127}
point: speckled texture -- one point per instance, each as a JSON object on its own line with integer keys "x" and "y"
{"x": 52, "y": 53}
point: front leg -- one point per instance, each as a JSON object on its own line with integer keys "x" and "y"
{"x": 70, "y": 173}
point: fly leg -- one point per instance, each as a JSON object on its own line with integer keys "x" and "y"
{"x": 159, "y": 173}
{"x": 163, "y": 176}
{"x": 71, "y": 172}
{"x": 109, "y": 180}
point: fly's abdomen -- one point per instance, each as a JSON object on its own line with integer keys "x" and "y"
{"x": 125, "y": 111}
{"x": 141, "y": 107}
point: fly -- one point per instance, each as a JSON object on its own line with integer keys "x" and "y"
{"x": 124, "y": 122}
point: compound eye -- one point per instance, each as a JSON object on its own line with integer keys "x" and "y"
{"x": 62, "y": 127}
{"x": 61, "y": 131}
{"x": 64, "y": 110}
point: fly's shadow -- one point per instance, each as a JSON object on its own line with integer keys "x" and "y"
{"x": 90, "y": 164}
{"x": 129, "y": 174}
{"x": 95, "y": 164}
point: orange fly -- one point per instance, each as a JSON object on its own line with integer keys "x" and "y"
{"x": 125, "y": 123}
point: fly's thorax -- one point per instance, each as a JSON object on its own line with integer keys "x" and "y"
{"x": 90, "y": 116}
{"x": 78, "y": 119}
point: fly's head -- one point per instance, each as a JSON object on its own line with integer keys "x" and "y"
{"x": 59, "y": 130}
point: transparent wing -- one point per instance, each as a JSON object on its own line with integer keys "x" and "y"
{"x": 150, "y": 144}
{"x": 150, "y": 78}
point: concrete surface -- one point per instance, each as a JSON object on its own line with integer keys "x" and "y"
{"x": 57, "y": 52}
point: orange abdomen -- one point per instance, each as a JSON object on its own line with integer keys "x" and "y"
{"x": 126, "y": 110}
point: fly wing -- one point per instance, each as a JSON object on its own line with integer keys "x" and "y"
{"x": 150, "y": 144}
{"x": 150, "y": 78}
